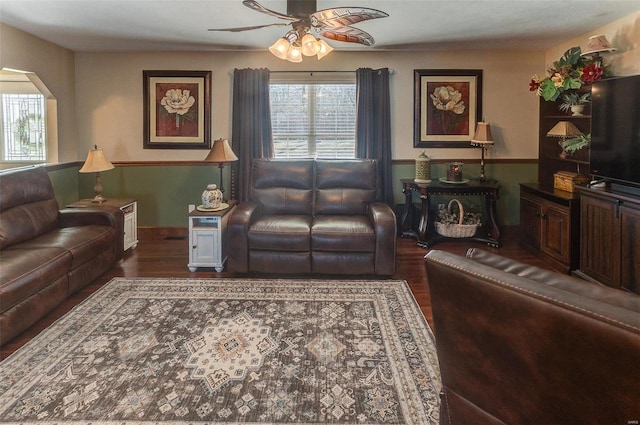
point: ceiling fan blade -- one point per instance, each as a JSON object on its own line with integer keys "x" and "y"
{"x": 342, "y": 16}
{"x": 255, "y": 27}
{"x": 347, "y": 34}
{"x": 252, "y": 4}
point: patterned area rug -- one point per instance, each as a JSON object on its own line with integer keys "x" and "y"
{"x": 230, "y": 350}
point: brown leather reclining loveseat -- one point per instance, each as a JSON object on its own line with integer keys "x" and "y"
{"x": 313, "y": 216}
{"x": 46, "y": 254}
{"x": 521, "y": 345}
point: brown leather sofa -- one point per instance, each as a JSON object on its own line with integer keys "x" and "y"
{"x": 46, "y": 254}
{"x": 313, "y": 216}
{"x": 521, "y": 345}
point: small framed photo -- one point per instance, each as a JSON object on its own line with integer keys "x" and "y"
{"x": 447, "y": 107}
{"x": 177, "y": 109}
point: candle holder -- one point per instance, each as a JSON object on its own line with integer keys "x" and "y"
{"x": 454, "y": 171}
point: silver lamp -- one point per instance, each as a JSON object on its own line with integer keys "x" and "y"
{"x": 96, "y": 162}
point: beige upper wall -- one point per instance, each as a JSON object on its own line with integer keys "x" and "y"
{"x": 100, "y": 94}
{"x": 109, "y": 95}
{"x": 55, "y": 67}
{"x": 624, "y": 34}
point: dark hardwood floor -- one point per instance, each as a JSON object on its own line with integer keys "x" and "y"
{"x": 169, "y": 258}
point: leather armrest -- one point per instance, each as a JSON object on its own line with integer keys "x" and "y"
{"x": 238, "y": 231}
{"x": 384, "y": 224}
{"x": 495, "y": 330}
{"x": 573, "y": 285}
{"x": 99, "y": 215}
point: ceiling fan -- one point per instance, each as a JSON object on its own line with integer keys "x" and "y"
{"x": 334, "y": 24}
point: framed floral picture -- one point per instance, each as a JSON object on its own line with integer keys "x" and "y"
{"x": 447, "y": 107}
{"x": 177, "y": 109}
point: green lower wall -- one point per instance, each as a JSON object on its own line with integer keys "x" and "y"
{"x": 164, "y": 192}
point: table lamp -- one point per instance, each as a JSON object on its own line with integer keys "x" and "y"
{"x": 563, "y": 130}
{"x": 483, "y": 139}
{"x": 95, "y": 163}
{"x": 596, "y": 45}
{"x": 221, "y": 153}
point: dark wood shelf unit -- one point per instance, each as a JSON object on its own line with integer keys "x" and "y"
{"x": 549, "y": 161}
{"x": 550, "y": 218}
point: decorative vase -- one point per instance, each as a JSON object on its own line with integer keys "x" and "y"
{"x": 576, "y": 110}
{"x": 423, "y": 169}
{"x": 212, "y": 196}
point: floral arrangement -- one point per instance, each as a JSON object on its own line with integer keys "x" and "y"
{"x": 570, "y": 72}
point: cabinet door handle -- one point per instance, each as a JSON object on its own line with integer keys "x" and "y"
{"x": 194, "y": 247}
{"x": 617, "y": 203}
{"x": 543, "y": 216}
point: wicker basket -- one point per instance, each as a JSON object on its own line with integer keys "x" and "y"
{"x": 456, "y": 230}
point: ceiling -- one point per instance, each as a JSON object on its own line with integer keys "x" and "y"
{"x": 148, "y": 25}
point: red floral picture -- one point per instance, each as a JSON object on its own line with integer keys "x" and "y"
{"x": 177, "y": 113}
{"x": 447, "y": 107}
{"x": 176, "y": 109}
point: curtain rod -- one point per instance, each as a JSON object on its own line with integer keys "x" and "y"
{"x": 391, "y": 71}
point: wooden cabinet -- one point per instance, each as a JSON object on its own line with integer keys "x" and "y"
{"x": 550, "y": 218}
{"x": 549, "y": 223}
{"x": 610, "y": 238}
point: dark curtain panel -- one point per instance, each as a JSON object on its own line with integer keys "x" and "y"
{"x": 373, "y": 124}
{"x": 251, "y": 126}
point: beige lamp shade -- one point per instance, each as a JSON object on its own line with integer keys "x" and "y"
{"x": 598, "y": 44}
{"x": 221, "y": 152}
{"x": 482, "y": 135}
{"x": 564, "y": 129}
{"x": 96, "y": 161}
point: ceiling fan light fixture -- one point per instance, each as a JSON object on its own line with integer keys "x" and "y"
{"x": 280, "y": 48}
{"x": 294, "y": 54}
{"x": 325, "y": 49}
{"x": 310, "y": 45}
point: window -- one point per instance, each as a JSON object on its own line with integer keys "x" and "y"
{"x": 23, "y": 127}
{"x": 28, "y": 120}
{"x": 313, "y": 119}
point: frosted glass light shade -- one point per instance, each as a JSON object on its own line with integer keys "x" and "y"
{"x": 310, "y": 46}
{"x": 280, "y": 48}
{"x": 294, "y": 54}
{"x": 325, "y": 49}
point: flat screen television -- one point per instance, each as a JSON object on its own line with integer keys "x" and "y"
{"x": 615, "y": 130}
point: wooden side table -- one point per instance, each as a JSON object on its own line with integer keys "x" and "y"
{"x": 208, "y": 238}
{"x": 426, "y": 235}
{"x": 128, "y": 206}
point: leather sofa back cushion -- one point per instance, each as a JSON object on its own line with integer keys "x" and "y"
{"x": 283, "y": 187}
{"x": 345, "y": 187}
{"x": 28, "y": 207}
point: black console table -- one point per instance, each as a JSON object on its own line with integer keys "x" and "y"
{"x": 426, "y": 235}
